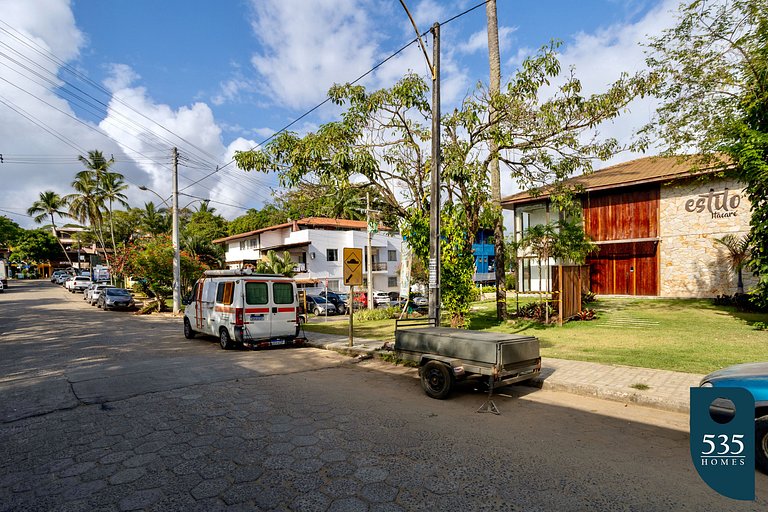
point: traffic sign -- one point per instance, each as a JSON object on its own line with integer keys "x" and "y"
{"x": 353, "y": 266}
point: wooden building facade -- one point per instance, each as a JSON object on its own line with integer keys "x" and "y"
{"x": 654, "y": 221}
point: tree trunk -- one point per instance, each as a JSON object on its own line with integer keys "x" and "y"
{"x": 494, "y": 61}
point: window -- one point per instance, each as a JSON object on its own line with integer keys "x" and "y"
{"x": 242, "y": 245}
{"x": 256, "y": 293}
{"x": 332, "y": 254}
{"x": 283, "y": 293}
{"x": 391, "y": 282}
{"x": 391, "y": 255}
{"x": 225, "y": 292}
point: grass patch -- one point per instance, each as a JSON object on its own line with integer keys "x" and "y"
{"x": 685, "y": 335}
{"x": 640, "y": 386}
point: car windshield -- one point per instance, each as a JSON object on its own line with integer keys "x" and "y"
{"x": 117, "y": 291}
{"x": 319, "y": 300}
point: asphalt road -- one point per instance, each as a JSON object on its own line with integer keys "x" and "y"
{"x": 108, "y": 411}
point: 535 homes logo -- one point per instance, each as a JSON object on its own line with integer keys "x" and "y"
{"x": 723, "y": 440}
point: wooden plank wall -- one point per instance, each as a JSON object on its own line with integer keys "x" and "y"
{"x": 624, "y": 268}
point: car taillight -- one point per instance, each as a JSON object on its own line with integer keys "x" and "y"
{"x": 238, "y": 316}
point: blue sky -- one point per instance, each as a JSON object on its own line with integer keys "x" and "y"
{"x": 133, "y": 78}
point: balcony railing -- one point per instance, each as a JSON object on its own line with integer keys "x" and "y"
{"x": 378, "y": 267}
{"x": 300, "y": 267}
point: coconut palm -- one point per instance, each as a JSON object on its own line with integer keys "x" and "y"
{"x": 86, "y": 205}
{"x": 739, "y": 252}
{"x": 112, "y": 186}
{"x": 50, "y": 204}
{"x": 274, "y": 264}
{"x": 155, "y": 221}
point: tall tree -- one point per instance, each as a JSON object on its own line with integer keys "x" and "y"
{"x": 155, "y": 221}
{"x": 50, "y": 205}
{"x": 112, "y": 185}
{"x": 86, "y": 205}
{"x": 714, "y": 87}
{"x": 9, "y": 230}
{"x": 494, "y": 61}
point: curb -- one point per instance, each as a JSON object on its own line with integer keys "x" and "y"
{"x": 612, "y": 395}
{"x": 603, "y": 393}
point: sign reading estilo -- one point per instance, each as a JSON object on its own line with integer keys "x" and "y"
{"x": 718, "y": 204}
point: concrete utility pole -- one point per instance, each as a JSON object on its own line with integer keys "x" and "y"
{"x": 369, "y": 256}
{"x": 434, "y": 200}
{"x": 175, "y": 236}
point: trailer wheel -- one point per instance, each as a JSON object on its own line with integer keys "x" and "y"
{"x": 188, "y": 332}
{"x": 224, "y": 340}
{"x": 437, "y": 379}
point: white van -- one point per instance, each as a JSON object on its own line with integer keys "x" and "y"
{"x": 242, "y": 308}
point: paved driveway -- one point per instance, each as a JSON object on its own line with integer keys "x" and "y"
{"x": 106, "y": 411}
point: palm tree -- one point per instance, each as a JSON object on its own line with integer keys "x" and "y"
{"x": 95, "y": 164}
{"x": 494, "y": 61}
{"x": 274, "y": 264}
{"x": 49, "y": 205}
{"x": 112, "y": 186}
{"x": 739, "y": 252}
{"x": 86, "y": 205}
{"x": 155, "y": 221}
{"x": 202, "y": 249}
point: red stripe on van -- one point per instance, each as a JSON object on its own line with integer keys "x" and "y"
{"x": 286, "y": 310}
{"x": 257, "y": 310}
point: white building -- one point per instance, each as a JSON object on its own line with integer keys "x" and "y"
{"x": 317, "y": 245}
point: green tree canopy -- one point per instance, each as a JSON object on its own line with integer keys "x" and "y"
{"x": 35, "y": 246}
{"x": 9, "y": 231}
{"x": 714, "y": 85}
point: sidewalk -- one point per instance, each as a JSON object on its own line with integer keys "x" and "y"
{"x": 666, "y": 390}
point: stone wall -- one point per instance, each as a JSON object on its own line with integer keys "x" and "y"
{"x": 692, "y": 214}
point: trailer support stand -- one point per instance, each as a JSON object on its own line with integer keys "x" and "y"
{"x": 489, "y": 405}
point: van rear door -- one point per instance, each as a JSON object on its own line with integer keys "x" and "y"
{"x": 256, "y": 314}
{"x": 283, "y": 309}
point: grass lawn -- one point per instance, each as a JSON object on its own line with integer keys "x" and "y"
{"x": 682, "y": 335}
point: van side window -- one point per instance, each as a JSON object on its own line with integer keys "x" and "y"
{"x": 229, "y": 289}
{"x": 256, "y": 293}
{"x": 220, "y": 293}
{"x": 283, "y": 293}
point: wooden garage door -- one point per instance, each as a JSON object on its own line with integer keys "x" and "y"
{"x": 625, "y": 269}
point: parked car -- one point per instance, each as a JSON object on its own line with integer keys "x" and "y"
{"x": 319, "y": 306}
{"x": 380, "y": 299}
{"x": 336, "y": 300}
{"x": 69, "y": 283}
{"x": 420, "y": 301}
{"x": 56, "y": 274}
{"x": 1, "y": 287}
{"x": 94, "y": 292}
{"x": 78, "y": 284}
{"x": 115, "y": 298}
{"x": 754, "y": 378}
{"x": 62, "y": 278}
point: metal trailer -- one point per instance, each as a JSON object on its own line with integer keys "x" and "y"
{"x": 446, "y": 356}
{"x": 4, "y": 273}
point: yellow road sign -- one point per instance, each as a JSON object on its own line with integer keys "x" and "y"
{"x": 353, "y": 266}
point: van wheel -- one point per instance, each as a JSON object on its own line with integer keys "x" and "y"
{"x": 437, "y": 379}
{"x": 188, "y": 332}
{"x": 224, "y": 340}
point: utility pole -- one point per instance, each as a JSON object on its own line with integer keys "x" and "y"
{"x": 434, "y": 200}
{"x": 175, "y": 236}
{"x": 369, "y": 256}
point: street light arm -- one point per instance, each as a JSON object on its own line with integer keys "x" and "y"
{"x": 147, "y": 189}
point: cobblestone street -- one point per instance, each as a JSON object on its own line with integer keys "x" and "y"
{"x": 172, "y": 424}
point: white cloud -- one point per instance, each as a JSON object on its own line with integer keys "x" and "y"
{"x": 479, "y": 41}
{"x": 121, "y": 77}
{"x": 310, "y": 45}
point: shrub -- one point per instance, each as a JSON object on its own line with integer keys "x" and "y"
{"x": 741, "y": 301}
{"x": 377, "y": 314}
{"x": 587, "y": 314}
{"x": 537, "y": 311}
{"x": 588, "y": 297}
